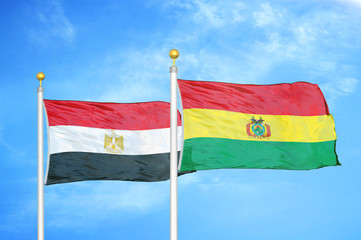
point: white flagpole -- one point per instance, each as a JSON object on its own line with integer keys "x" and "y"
{"x": 173, "y": 148}
{"x": 40, "y": 76}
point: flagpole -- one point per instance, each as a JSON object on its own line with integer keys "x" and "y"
{"x": 173, "y": 148}
{"x": 40, "y": 76}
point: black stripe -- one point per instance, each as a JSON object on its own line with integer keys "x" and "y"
{"x": 81, "y": 166}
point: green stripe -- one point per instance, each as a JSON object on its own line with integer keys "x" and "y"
{"x": 215, "y": 153}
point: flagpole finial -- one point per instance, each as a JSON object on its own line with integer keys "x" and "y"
{"x": 40, "y": 76}
{"x": 173, "y": 54}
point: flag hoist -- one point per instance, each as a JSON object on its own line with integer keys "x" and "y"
{"x": 40, "y": 76}
{"x": 173, "y": 148}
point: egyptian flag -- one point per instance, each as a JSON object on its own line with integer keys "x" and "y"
{"x": 108, "y": 141}
{"x": 280, "y": 126}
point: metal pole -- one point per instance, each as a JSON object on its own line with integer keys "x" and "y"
{"x": 173, "y": 149}
{"x": 40, "y": 90}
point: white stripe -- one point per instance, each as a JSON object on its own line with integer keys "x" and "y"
{"x": 85, "y": 139}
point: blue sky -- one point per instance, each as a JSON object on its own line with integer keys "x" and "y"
{"x": 117, "y": 51}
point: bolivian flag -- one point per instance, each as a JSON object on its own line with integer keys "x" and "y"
{"x": 281, "y": 126}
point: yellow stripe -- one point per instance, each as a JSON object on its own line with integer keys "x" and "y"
{"x": 233, "y": 125}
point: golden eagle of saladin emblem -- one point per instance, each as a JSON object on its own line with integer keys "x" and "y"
{"x": 258, "y": 129}
{"x": 113, "y": 142}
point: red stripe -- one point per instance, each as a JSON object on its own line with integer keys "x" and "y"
{"x": 121, "y": 116}
{"x": 299, "y": 99}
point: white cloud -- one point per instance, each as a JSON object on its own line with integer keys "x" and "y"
{"x": 214, "y": 187}
{"x": 207, "y": 65}
{"x": 336, "y": 88}
{"x": 304, "y": 41}
{"x": 352, "y": 2}
{"x": 53, "y": 24}
{"x": 268, "y": 16}
{"x": 217, "y": 15}
{"x": 347, "y": 85}
{"x": 214, "y": 14}
{"x": 132, "y": 76}
{"x": 340, "y": 87}
{"x": 84, "y": 204}
{"x": 304, "y": 34}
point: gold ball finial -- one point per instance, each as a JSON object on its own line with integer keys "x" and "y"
{"x": 173, "y": 54}
{"x": 40, "y": 76}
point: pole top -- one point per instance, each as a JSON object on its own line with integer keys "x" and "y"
{"x": 40, "y": 76}
{"x": 173, "y": 54}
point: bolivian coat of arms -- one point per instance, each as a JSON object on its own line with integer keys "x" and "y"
{"x": 113, "y": 143}
{"x": 258, "y": 129}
